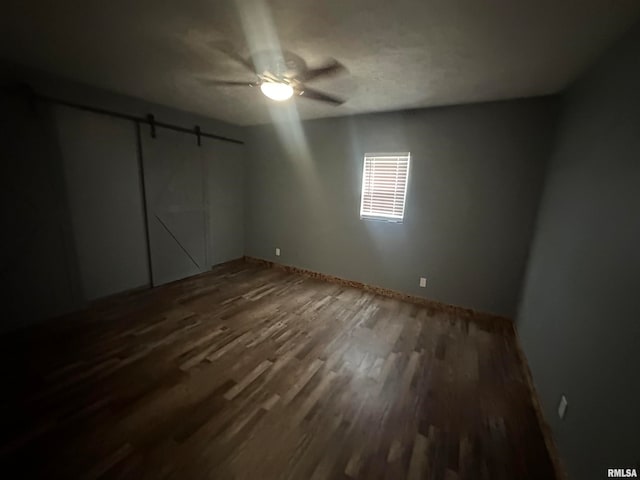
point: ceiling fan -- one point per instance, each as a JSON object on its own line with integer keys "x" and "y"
{"x": 280, "y": 75}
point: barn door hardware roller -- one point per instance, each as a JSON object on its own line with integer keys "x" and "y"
{"x": 152, "y": 123}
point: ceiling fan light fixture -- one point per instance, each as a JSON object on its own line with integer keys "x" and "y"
{"x": 278, "y": 91}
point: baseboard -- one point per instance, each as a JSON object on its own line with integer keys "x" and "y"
{"x": 552, "y": 448}
{"x": 489, "y": 320}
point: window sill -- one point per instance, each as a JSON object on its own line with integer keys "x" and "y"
{"x": 383, "y": 219}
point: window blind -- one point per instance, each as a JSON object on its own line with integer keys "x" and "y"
{"x": 384, "y": 186}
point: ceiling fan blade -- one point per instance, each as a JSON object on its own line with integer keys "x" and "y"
{"x": 320, "y": 96}
{"x": 225, "y": 48}
{"x": 330, "y": 70}
{"x": 226, "y": 83}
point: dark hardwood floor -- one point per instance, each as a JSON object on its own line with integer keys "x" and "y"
{"x": 254, "y": 373}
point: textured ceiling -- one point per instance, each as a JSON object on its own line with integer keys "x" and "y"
{"x": 400, "y": 54}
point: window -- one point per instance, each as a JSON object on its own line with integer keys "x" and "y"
{"x": 384, "y": 186}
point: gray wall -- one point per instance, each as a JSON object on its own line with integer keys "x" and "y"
{"x": 580, "y": 317}
{"x": 474, "y": 186}
{"x": 72, "y": 201}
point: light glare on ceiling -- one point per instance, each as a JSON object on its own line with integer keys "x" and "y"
{"x": 277, "y": 91}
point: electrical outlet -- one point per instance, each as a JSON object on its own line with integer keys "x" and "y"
{"x": 562, "y": 407}
{"x": 277, "y": 252}
{"x": 423, "y": 282}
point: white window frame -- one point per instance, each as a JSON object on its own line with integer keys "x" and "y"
{"x": 382, "y": 216}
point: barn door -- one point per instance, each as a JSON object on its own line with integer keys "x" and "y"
{"x": 175, "y": 196}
